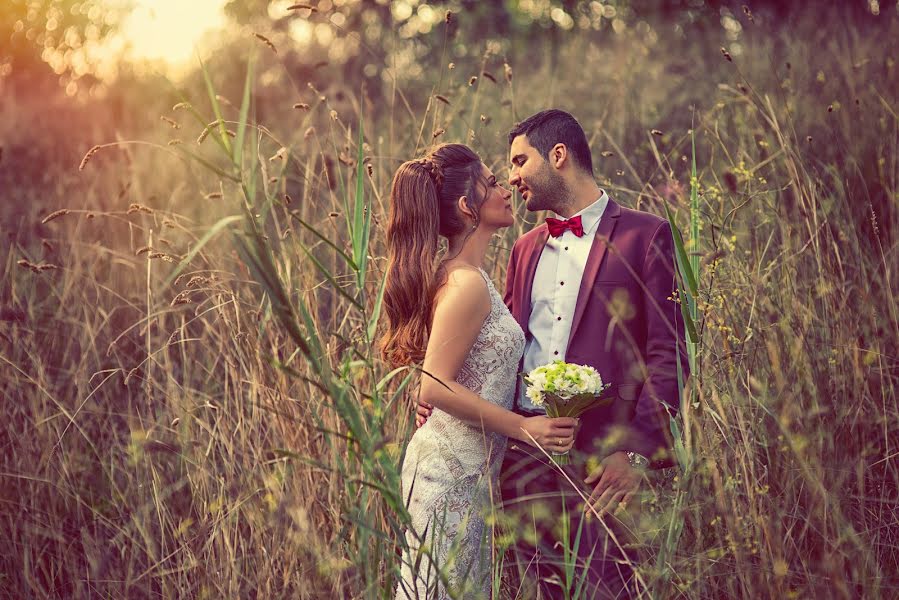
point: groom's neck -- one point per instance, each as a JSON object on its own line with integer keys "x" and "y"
{"x": 584, "y": 192}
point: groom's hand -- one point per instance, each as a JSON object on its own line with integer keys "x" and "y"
{"x": 422, "y": 412}
{"x": 616, "y": 483}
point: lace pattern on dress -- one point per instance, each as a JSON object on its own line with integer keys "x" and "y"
{"x": 451, "y": 468}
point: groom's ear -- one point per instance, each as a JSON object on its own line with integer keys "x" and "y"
{"x": 558, "y": 155}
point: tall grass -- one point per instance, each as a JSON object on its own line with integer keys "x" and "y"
{"x": 193, "y": 406}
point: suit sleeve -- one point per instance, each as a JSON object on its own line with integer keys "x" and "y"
{"x": 659, "y": 400}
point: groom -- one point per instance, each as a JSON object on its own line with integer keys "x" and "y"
{"x": 594, "y": 288}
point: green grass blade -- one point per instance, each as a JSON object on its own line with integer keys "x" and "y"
{"x": 221, "y": 224}
{"x": 218, "y": 171}
{"x": 683, "y": 260}
{"x": 346, "y": 257}
{"x": 244, "y": 111}
{"x": 210, "y": 89}
{"x": 361, "y": 217}
{"x": 376, "y": 310}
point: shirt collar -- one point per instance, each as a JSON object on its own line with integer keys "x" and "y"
{"x": 591, "y": 214}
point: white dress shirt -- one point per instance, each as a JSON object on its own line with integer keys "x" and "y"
{"x": 554, "y": 293}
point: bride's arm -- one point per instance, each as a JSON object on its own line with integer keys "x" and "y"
{"x": 460, "y": 310}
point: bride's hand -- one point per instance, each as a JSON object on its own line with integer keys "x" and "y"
{"x": 556, "y": 435}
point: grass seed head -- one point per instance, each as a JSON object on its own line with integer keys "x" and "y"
{"x": 301, "y": 106}
{"x": 87, "y": 157}
{"x": 727, "y": 54}
{"x": 266, "y": 41}
{"x": 172, "y": 122}
{"x": 507, "y": 70}
{"x": 473, "y": 80}
{"x": 135, "y": 208}
{"x": 489, "y": 76}
{"x": 55, "y": 215}
{"x": 301, "y": 6}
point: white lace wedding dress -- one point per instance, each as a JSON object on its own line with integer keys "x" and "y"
{"x": 450, "y": 473}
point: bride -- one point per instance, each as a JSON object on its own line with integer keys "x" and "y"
{"x": 450, "y": 317}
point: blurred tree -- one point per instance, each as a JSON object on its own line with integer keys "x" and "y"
{"x": 41, "y": 40}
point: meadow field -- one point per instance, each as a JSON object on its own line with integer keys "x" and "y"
{"x": 193, "y": 405}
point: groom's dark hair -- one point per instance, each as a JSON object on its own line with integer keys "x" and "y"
{"x": 550, "y": 127}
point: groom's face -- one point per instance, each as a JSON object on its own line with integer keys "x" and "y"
{"x": 533, "y": 176}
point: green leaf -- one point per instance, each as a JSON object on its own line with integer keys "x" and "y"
{"x": 221, "y": 224}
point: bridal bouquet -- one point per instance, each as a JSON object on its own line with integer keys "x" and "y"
{"x": 565, "y": 390}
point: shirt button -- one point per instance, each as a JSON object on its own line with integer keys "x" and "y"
{"x": 556, "y": 353}
{"x": 558, "y": 318}
{"x": 566, "y": 247}
{"x": 561, "y": 283}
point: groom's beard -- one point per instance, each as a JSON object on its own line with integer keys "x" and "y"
{"x": 548, "y": 192}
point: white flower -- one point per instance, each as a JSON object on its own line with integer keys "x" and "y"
{"x": 535, "y": 396}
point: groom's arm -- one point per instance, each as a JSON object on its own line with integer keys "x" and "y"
{"x": 650, "y": 432}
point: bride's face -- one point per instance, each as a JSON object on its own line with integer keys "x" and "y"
{"x": 496, "y": 210}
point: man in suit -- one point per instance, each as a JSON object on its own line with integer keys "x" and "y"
{"x": 596, "y": 288}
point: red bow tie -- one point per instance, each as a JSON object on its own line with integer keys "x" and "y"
{"x": 558, "y": 226}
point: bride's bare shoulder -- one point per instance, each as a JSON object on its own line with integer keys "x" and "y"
{"x": 464, "y": 284}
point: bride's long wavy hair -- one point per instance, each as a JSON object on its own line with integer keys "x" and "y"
{"x": 423, "y": 206}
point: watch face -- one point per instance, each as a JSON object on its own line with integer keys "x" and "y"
{"x": 637, "y": 460}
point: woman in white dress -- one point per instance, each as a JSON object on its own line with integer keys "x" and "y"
{"x": 447, "y": 315}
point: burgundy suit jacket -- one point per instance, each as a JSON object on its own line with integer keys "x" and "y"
{"x": 625, "y": 325}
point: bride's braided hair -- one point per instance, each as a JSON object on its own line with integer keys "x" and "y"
{"x": 423, "y": 206}
{"x": 434, "y": 172}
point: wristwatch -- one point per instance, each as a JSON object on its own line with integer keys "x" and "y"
{"x": 638, "y": 461}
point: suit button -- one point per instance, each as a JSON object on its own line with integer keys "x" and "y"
{"x": 561, "y": 283}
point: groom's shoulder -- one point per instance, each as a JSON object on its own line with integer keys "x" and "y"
{"x": 640, "y": 218}
{"x": 529, "y": 238}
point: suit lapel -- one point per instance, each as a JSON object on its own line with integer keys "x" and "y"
{"x": 530, "y": 269}
{"x": 594, "y": 260}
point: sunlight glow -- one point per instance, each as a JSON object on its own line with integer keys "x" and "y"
{"x": 168, "y": 30}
